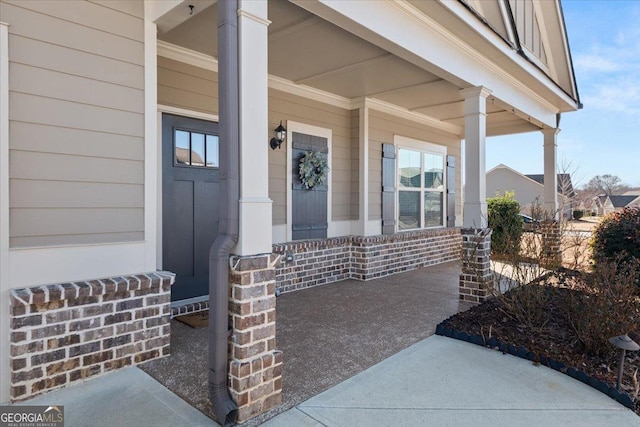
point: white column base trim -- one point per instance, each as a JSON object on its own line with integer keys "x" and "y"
{"x": 255, "y": 237}
{"x": 473, "y": 211}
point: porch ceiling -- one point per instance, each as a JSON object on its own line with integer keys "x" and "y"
{"x": 307, "y": 50}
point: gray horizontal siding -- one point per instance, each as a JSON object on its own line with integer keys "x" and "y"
{"x": 284, "y": 106}
{"x": 185, "y": 86}
{"x": 76, "y": 98}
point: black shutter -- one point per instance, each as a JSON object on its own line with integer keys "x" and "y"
{"x": 388, "y": 189}
{"x": 451, "y": 191}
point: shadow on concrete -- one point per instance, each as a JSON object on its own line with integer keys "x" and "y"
{"x": 327, "y": 333}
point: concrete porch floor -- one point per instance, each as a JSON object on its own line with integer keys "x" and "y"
{"x": 327, "y": 333}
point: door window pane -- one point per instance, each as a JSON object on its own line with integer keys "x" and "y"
{"x": 432, "y": 208}
{"x": 408, "y": 209}
{"x": 182, "y": 148}
{"x": 212, "y": 151}
{"x": 409, "y": 168}
{"x": 433, "y": 171}
{"x": 197, "y": 149}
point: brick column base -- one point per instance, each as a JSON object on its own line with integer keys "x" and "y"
{"x": 476, "y": 280}
{"x": 256, "y": 366}
{"x": 551, "y": 253}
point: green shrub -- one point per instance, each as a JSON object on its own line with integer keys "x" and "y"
{"x": 617, "y": 235}
{"x": 506, "y": 224}
{"x": 578, "y": 214}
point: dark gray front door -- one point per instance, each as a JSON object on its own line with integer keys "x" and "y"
{"x": 189, "y": 201}
{"x": 309, "y": 207}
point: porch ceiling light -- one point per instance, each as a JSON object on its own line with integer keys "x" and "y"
{"x": 624, "y": 343}
{"x": 281, "y": 134}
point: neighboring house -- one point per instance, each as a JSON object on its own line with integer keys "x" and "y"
{"x": 619, "y": 202}
{"x": 529, "y": 189}
{"x": 614, "y": 203}
{"x": 102, "y": 103}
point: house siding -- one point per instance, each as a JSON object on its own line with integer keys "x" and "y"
{"x": 284, "y": 106}
{"x": 76, "y": 122}
{"x": 193, "y": 88}
{"x": 185, "y": 86}
{"x": 382, "y": 128}
{"x": 526, "y": 191}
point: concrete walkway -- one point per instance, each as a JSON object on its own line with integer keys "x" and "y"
{"x": 444, "y": 382}
{"x": 436, "y": 382}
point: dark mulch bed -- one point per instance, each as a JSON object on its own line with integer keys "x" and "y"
{"x": 488, "y": 320}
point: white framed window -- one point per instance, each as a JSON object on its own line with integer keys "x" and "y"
{"x": 421, "y": 184}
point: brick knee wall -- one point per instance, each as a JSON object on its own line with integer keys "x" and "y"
{"x": 68, "y": 332}
{"x": 315, "y": 262}
{"x": 321, "y": 261}
{"x": 381, "y": 256}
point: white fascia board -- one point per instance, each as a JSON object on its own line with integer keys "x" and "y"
{"x": 455, "y": 7}
{"x": 401, "y": 29}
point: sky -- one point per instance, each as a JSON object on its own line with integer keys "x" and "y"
{"x": 603, "y": 137}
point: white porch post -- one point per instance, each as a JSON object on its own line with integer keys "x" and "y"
{"x": 363, "y": 172}
{"x": 255, "y": 205}
{"x": 475, "y": 134}
{"x": 550, "y": 175}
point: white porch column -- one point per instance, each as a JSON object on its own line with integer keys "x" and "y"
{"x": 475, "y": 134}
{"x": 255, "y": 205}
{"x": 363, "y": 172}
{"x": 550, "y": 174}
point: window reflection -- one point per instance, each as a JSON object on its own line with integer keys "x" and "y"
{"x": 433, "y": 171}
{"x": 432, "y": 209}
{"x": 408, "y": 209}
{"x": 212, "y": 151}
{"x": 421, "y": 189}
{"x": 409, "y": 168}
{"x": 182, "y": 148}
{"x": 196, "y": 149}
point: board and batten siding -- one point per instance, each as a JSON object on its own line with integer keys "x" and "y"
{"x": 76, "y": 97}
{"x": 284, "y": 106}
{"x": 382, "y": 128}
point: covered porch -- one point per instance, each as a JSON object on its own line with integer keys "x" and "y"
{"x": 395, "y": 104}
{"x": 327, "y": 334}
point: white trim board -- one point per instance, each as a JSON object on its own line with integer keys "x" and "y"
{"x": 150, "y": 144}
{"x": 4, "y": 211}
{"x": 39, "y": 266}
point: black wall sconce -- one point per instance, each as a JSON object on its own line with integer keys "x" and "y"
{"x": 281, "y": 135}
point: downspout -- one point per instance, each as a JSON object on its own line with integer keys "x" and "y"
{"x": 224, "y": 408}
